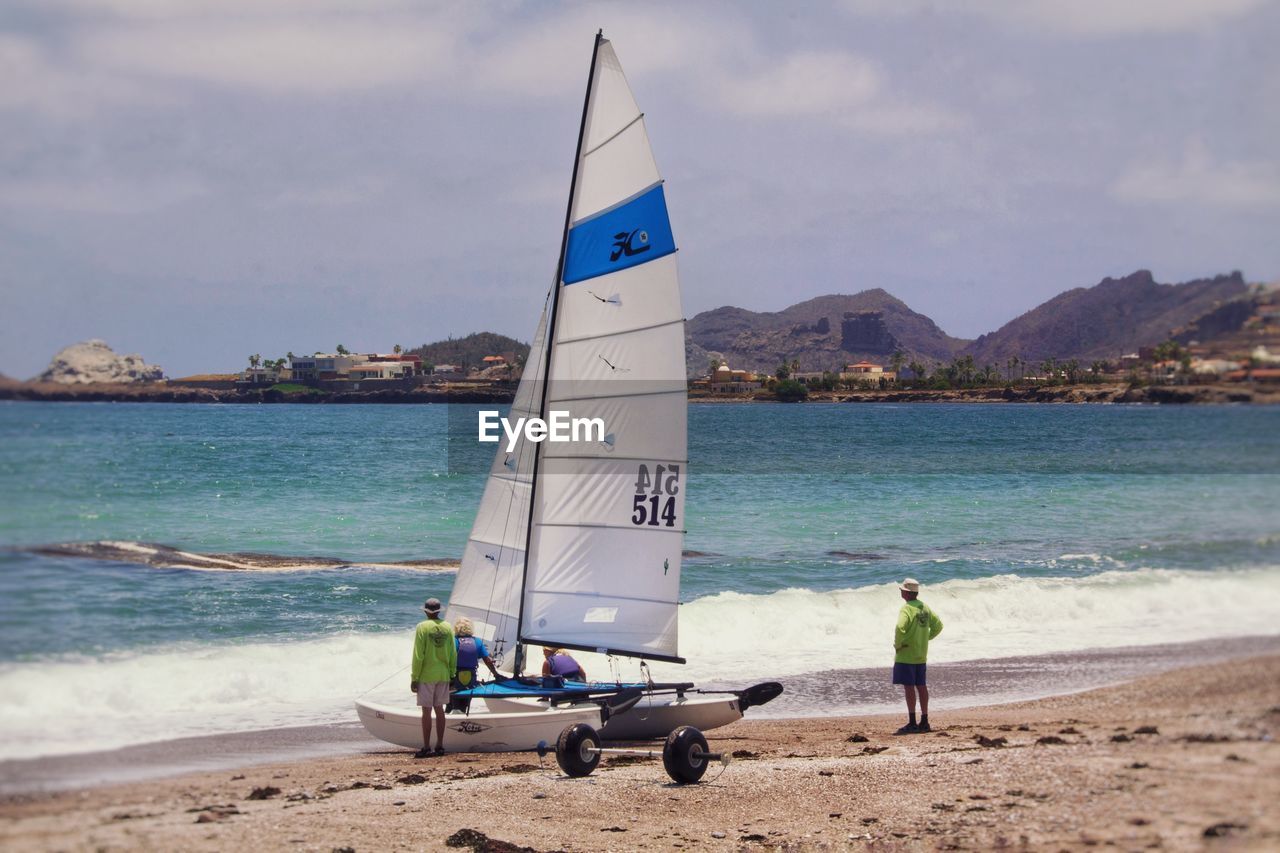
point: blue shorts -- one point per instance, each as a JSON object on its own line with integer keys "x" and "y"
{"x": 911, "y": 674}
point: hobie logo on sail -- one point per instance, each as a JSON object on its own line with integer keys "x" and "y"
{"x": 625, "y": 243}
{"x": 558, "y": 427}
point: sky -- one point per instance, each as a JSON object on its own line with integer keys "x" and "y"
{"x": 199, "y": 180}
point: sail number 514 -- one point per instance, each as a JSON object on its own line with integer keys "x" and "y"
{"x": 654, "y": 504}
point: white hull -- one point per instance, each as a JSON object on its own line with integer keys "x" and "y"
{"x": 657, "y": 716}
{"x": 483, "y": 729}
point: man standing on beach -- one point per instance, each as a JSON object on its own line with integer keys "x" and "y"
{"x": 435, "y": 664}
{"x": 917, "y": 625}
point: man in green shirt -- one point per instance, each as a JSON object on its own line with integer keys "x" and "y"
{"x": 435, "y": 664}
{"x": 917, "y": 625}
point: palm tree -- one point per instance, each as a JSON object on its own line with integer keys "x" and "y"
{"x": 255, "y": 360}
{"x": 397, "y": 349}
{"x": 917, "y": 372}
{"x": 1073, "y": 371}
{"x": 341, "y": 350}
{"x": 896, "y": 362}
{"x": 1010, "y": 364}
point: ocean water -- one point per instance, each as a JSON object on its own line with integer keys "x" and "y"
{"x": 1035, "y": 529}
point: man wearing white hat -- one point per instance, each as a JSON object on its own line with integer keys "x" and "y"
{"x": 917, "y": 625}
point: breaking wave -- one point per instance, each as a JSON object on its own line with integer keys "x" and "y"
{"x": 74, "y": 704}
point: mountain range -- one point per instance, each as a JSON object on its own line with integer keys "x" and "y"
{"x": 1115, "y": 316}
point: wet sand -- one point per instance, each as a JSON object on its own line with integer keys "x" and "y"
{"x": 1179, "y": 760}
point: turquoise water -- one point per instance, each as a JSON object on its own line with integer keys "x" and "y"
{"x": 1034, "y": 528}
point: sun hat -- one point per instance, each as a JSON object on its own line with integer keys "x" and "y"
{"x": 432, "y": 606}
{"x": 910, "y": 585}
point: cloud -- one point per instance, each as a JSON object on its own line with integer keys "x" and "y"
{"x": 1078, "y": 18}
{"x": 307, "y": 57}
{"x": 846, "y": 88}
{"x": 1198, "y": 179}
{"x": 803, "y": 84}
{"x": 32, "y": 79}
{"x": 99, "y": 195}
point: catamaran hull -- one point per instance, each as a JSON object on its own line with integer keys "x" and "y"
{"x": 482, "y": 730}
{"x": 658, "y": 716}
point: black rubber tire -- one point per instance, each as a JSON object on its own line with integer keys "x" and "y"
{"x": 678, "y": 755}
{"x": 571, "y": 752}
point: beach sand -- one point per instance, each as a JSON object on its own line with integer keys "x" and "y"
{"x": 1181, "y": 760}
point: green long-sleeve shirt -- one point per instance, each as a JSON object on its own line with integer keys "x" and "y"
{"x": 435, "y": 654}
{"x": 917, "y": 625}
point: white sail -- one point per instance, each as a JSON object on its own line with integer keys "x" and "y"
{"x": 607, "y": 525}
{"x": 487, "y": 589}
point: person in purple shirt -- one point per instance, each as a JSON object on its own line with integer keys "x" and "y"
{"x": 556, "y": 662}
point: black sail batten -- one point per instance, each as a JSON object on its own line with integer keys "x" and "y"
{"x": 550, "y": 339}
{"x": 627, "y": 653}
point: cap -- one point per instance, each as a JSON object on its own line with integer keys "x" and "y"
{"x": 910, "y": 585}
{"x": 432, "y": 605}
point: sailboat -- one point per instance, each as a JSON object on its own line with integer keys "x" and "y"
{"x": 578, "y": 545}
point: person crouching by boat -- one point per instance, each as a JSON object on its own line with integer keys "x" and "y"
{"x": 557, "y": 664}
{"x": 435, "y": 664}
{"x": 917, "y": 625}
{"x": 471, "y": 650}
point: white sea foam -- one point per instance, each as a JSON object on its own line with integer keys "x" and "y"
{"x": 75, "y": 705}
{"x": 735, "y": 636}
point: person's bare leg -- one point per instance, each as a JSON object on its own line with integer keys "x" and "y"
{"x": 439, "y": 727}
{"x": 426, "y": 727}
{"x": 924, "y": 700}
{"x": 910, "y": 690}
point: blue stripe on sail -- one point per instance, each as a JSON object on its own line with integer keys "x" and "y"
{"x": 630, "y": 234}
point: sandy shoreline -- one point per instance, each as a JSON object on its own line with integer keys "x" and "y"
{"x": 854, "y": 692}
{"x": 1173, "y": 760}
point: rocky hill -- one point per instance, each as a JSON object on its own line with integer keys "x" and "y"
{"x": 1115, "y": 316}
{"x": 822, "y": 334}
{"x": 92, "y": 361}
{"x": 468, "y": 351}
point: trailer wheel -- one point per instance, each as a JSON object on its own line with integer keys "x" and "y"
{"x": 574, "y": 750}
{"x": 682, "y": 755}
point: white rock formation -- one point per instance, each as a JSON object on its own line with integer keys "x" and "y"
{"x": 94, "y": 361}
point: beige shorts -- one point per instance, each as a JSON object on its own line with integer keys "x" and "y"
{"x": 432, "y": 694}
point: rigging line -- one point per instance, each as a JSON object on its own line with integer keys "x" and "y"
{"x": 384, "y": 681}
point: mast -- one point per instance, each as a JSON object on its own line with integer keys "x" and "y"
{"x": 551, "y": 326}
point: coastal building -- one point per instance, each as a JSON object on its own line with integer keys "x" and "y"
{"x": 414, "y": 362}
{"x": 865, "y": 373}
{"x": 380, "y": 370}
{"x": 324, "y": 365}
{"x": 259, "y": 376}
{"x": 1213, "y": 366}
{"x": 726, "y": 380}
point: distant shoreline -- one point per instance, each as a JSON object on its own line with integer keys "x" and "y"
{"x": 162, "y": 392}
